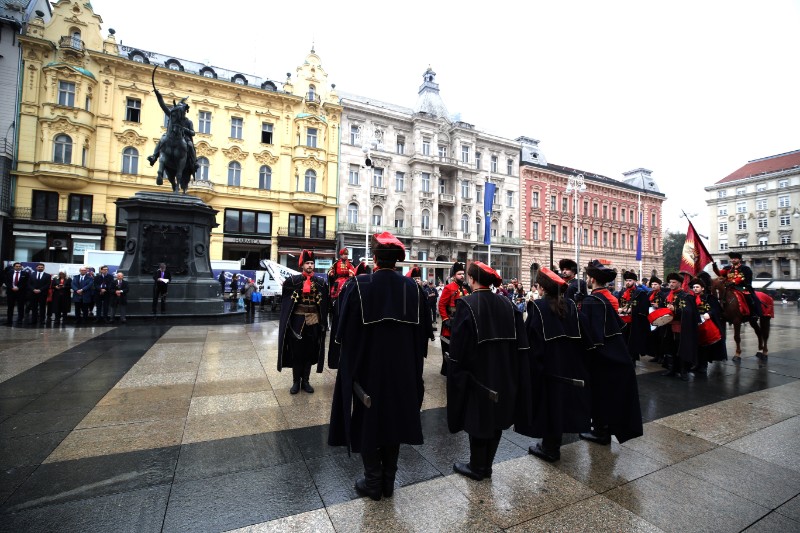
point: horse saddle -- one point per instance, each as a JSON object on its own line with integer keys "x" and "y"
{"x": 744, "y": 309}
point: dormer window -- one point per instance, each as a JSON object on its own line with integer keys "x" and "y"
{"x": 239, "y": 80}
{"x": 174, "y": 64}
{"x": 208, "y": 72}
{"x": 138, "y": 56}
{"x": 269, "y": 86}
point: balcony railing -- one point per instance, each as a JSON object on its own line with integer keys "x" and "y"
{"x": 26, "y": 213}
{"x": 447, "y": 199}
{"x": 378, "y": 190}
{"x": 766, "y": 247}
{"x": 509, "y": 240}
{"x": 328, "y": 235}
{"x": 68, "y": 41}
{"x": 313, "y": 98}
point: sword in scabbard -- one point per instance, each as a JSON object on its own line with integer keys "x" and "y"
{"x": 493, "y": 395}
{"x": 575, "y": 382}
{"x": 363, "y": 397}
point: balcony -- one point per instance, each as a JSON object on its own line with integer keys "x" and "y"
{"x": 447, "y": 199}
{"x": 313, "y": 99}
{"x": 379, "y": 191}
{"x": 72, "y": 46}
{"x": 788, "y": 247}
{"x": 308, "y": 202}
{"x": 510, "y": 240}
{"x": 446, "y": 162}
{"x": 426, "y": 194}
{"x": 26, "y": 213}
{"x": 328, "y": 235}
{"x": 352, "y": 228}
{"x": 202, "y": 189}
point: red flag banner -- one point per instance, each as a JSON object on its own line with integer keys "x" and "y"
{"x": 695, "y": 256}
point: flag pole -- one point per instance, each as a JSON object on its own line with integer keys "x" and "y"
{"x": 639, "y": 235}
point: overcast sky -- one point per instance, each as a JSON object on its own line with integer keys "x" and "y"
{"x": 691, "y": 90}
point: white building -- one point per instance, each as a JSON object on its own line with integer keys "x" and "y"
{"x": 757, "y": 212}
{"x": 426, "y": 182}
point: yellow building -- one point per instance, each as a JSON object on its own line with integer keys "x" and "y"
{"x": 267, "y": 151}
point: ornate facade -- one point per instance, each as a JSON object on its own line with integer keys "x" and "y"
{"x": 754, "y": 210}
{"x": 267, "y": 151}
{"x": 426, "y": 181}
{"x": 606, "y": 224}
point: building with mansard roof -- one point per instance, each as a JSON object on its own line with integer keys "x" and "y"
{"x": 425, "y": 183}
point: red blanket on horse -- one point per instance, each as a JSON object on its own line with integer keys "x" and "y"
{"x": 767, "y": 303}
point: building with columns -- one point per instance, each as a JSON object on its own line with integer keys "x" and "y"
{"x": 755, "y": 210}
{"x": 602, "y": 219}
{"x": 426, "y": 181}
{"x": 267, "y": 150}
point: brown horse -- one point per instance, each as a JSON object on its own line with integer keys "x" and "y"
{"x": 733, "y": 315}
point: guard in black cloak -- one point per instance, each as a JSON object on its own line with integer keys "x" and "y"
{"x": 384, "y": 329}
{"x": 615, "y": 393}
{"x": 676, "y": 302}
{"x": 488, "y": 380}
{"x": 362, "y": 267}
{"x": 576, "y": 288}
{"x": 634, "y": 307}
{"x": 655, "y": 339}
{"x": 560, "y": 343}
{"x": 701, "y": 329}
{"x": 304, "y": 320}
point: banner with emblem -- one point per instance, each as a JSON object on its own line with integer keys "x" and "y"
{"x": 488, "y": 198}
{"x": 695, "y": 255}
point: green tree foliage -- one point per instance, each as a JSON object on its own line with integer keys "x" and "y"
{"x": 673, "y": 248}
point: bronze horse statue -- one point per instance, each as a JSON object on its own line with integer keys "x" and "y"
{"x": 174, "y": 150}
{"x": 733, "y": 315}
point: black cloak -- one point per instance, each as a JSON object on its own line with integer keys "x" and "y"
{"x": 292, "y": 289}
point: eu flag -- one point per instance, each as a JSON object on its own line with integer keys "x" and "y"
{"x": 639, "y": 239}
{"x": 488, "y": 198}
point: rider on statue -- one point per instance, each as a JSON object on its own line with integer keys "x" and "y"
{"x": 188, "y": 133}
{"x": 740, "y": 277}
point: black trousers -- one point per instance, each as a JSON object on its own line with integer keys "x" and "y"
{"x": 103, "y": 304}
{"x": 305, "y": 352}
{"x": 81, "y": 310}
{"x": 16, "y": 299}
{"x": 159, "y": 295}
{"x": 38, "y": 307}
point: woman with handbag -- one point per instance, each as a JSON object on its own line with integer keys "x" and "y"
{"x": 60, "y": 301}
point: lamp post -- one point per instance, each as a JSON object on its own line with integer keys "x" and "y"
{"x": 576, "y": 185}
{"x": 371, "y": 139}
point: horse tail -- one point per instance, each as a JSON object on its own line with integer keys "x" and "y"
{"x": 764, "y": 322}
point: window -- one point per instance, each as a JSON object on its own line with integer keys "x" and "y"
{"x": 585, "y": 236}
{"x": 442, "y": 150}
{"x": 723, "y": 227}
{"x": 312, "y": 93}
{"x": 535, "y": 231}
{"x": 630, "y": 241}
{"x": 614, "y": 214}
{"x": 613, "y": 240}
{"x": 722, "y": 211}
{"x": 377, "y": 215}
{"x": 401, "y": 144}
{"x": 317, "y": 227}
{"x": 355, "y": 135}
{"x": 763, "y": 223}
{"x": 66, "y": 93}
{"x": 653, "y": 219}
{"x": 782, "y": 184}
{"x": 552, "y": 232}
{"x": 133, "y": 110}
{"x": 62, "y": 149}
{"x": 494, "y": 197}
{"x": 761, "y": 187}
{"x": 594, "y": 238}
{"x": 478, "y": 160}
{"x": 622, "y": 241}
{"x": 478, "y": 226}
{"x": 352, "y": 213}
{"x": 442, "y": 186}
{"x": 426, "y": 219}
{"x": 630, "y": 215}
{"x": 399, "y": 181}
{"x": 722, "y": 194}
{"x": 45, "y": 205}
{"x": 605, "y": 238}
{"x": 266, "y": 133}
{"x": 741, "y": 207}
{"x": 786, "y": 220}
{"x": 564, "y": 204}
{"x": 535, "y": 200}
{"x": 310, "y": 184}
{"x": 510, "y": 167}
{"x": 204, "y": 122}
{"x": 783, "y": 201}
{"x": 265, "y": 178}
{"x": 742, "y": 224}
{"x": 311, "y": 137}
{"x": 494, "y": 164}
{"x": 399, "y": 218}
{"x": 202, "y": 173}
{"x": 594, "y": 211}
{"x": 80, "y": 208}
{"x": 426, "y": 146}
{"x": 622, "y": 215}
{"x": 426, "y": 182}
{"x": 465, "y": 189}
{"x": 297, "y": 225}
{"x": 352, "y": 177}
{"x": 478, "y": 194}
{"x": 240, "y": 221}
{"x": 465, "y": 154}
{"x": 553, "y": 202}
{"x": 509, "y": 198}
{"x": 494, "y": 228}
{"x": 510, "y": 230}
{"x": 743, "y": 242}
{"x": 654, "y": 248}
{"x": 605, "y": 211}
{"x": 785, "y": 239}
{"x": 723, "y": 245}
{"x": 465, "y": 223}
{"x": 564, "y": 234}
{"x": 740, "y": 191}
{"x": 88, "y": 105}
{"x": 237, "y": 124}
{"x": 763, "y": 241}
{"x": 441, "y": 221}
{"x": 130, "y": 160}
{"x": 76, "y": 40}
{"x": 234, "y": 174}
{"x": 377, "y": 177}
{"x": 586, "y": 209}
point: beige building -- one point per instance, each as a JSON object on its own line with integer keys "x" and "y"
{"x": 267, "y": 151}
{"x": 426, "y": 181}
{"x": 755, "y": 210}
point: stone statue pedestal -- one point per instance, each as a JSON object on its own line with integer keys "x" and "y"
{"x": 172, "y": 229}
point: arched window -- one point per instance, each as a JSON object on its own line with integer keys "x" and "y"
{"x": 352, "y": 213}
{"x": 265, "y": 178}
{"x": 465, "y": 223}
{"x": 76, "y": 39}
{"x": 494, "y": 228}
{"x": 202, "y": 173}
{"x": 399, "y": 218}
{"x": 742, "y": 242}
{"x": 377, "y": 215}
{"x": 510, "y": 230}
{"x": 62, "y": 149}
{"x": 311, "y": 93}
{"x": 478, "y": 226}
{"x": 426, "y": 219}
{"x": 311, "y": 181}
{"x": 234, "y": 174}
{"x": 130, "y": 160}
{"x": 441, "y": 220}
{"x": 763, "y": 241}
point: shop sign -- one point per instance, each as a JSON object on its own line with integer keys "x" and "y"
{"x": 247, "y": 240}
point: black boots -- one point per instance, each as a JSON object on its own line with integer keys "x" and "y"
{"x": 380, "y": 468}
{"x": 599, "y": 435}
{"x": 295, "y": 387}
{"x": 389, "y": 456}
{"x": 481, "y": 455}
{"x": 548, "y": 450}
{"x": 306, "y": 386}
{"x": 301, "y": 374}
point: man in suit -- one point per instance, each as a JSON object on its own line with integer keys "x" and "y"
{"x": 161, "y": 279}
{"x": 82, "y": 285}
{"x": 102, "y": 291}
{"x": 16, "y": 282}
{"x": 119, "y": 297}
{"x": 39, "y": 285}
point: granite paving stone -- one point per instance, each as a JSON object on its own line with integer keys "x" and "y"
{"x": 667, "y": 445}
{"x": 791, "y": 508}
{"x": 777, "y": 444}
{"x": 308, "y": 522}
{"x": 233, "y": 424}
{"x": 773, "y": 523}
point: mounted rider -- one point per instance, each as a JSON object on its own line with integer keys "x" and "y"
{"x": 188, "y": 132}
{"x": 740, "y": 277}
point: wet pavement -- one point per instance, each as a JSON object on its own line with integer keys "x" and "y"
{"x": 152, "y": 427}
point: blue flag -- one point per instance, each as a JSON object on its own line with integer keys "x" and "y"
{"x": 488, "y": 198}
{"x": 639, "y": 239}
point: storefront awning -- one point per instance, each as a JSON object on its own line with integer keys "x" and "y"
{"x": 785, "y": 285}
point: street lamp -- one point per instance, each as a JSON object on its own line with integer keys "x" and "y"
{"x": 575, "y": 185}
{"x": 371, "y": 139}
